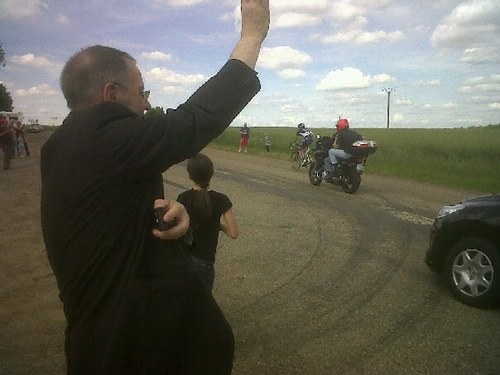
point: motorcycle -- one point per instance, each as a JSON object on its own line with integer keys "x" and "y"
{"x": 350, "y": 170}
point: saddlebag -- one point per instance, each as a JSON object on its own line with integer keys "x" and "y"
{"x": 364, "y": 148}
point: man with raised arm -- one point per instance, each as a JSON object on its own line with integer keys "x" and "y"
{"x": 132, "y": 303}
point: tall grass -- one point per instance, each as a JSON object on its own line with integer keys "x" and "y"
{"x": 462, "y": 158}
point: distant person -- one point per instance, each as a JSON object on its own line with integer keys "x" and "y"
{"x": 341, "y": 148}
{"x": 131, "y": 299}
{"x": 22, "y": 143}
{"x": 267, "y": 142}
{"x": 7, "y": 142}
{"x": 303, "y": 138}
{"x": 244, "y": 137}
{"x": 206, "y": 207}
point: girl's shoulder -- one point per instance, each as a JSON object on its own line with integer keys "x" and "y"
{"x": 220, "y": 199}
{"x": 186, "y": 193}
{"x": 217, "y": 193}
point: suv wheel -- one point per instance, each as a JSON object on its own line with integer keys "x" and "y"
{"x": 473, "y": 272}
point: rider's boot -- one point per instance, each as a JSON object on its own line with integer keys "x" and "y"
{"x": 336, "y": 170}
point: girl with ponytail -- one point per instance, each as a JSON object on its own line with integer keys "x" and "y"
{"x": 206, "y": 207}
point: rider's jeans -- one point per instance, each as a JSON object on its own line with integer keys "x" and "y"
{"x": 328, "y": 167}
{"x": 335, "y": 153}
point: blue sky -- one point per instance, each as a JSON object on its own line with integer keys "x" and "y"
{"x": 322, "y": 58}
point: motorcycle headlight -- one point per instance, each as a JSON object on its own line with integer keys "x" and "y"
{"x": 448, "y": 210}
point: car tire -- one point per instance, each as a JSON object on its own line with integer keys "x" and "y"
{"x": 472, "y": 271}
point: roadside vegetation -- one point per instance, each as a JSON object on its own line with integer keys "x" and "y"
{"x": 466, "y": 158}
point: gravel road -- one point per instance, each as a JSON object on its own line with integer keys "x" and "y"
{"x": 319, "y": 281}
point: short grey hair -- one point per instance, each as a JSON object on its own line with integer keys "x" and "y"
{"x": 85, "y": 74}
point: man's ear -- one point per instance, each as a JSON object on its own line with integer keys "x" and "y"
{"x": 109, "y": 93}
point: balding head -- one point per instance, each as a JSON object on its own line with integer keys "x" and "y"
{"x": 86, "y": 73}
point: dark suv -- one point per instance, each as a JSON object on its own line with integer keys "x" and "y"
{"x": 465, "y": 247}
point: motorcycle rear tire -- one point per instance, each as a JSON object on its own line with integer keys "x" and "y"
{"x": 351, "y": 185}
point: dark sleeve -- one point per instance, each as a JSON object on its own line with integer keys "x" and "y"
{"x": 154, "y": 144}
{"x": 225, "y": 203}
{"x": 182, "y": 198}
{"x": 327, "y": 143}
{"x": 209, "y": 111}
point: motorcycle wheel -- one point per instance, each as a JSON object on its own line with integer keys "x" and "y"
{"x": 351, "y": 184}
{"x": 315, "y": 175}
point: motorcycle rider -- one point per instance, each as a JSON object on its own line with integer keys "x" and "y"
{"x": 304, "y": 137}
{"x": 341, "y": 149}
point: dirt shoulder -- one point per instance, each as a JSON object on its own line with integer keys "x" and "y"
{"x": 30, "y": 342}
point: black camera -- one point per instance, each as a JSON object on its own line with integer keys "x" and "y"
{"x": 161, "y": 224}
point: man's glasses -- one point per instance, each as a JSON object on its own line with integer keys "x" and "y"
{"x": 142, "y": 94}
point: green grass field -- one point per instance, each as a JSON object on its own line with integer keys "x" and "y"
{"x": 461, "y": 158}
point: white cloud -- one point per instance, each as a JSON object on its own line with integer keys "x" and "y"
{"x": 348, "y": 20}
{"x": 494, "y": 106}
{"x": 381, "y": 78}
{"x": 18, "y": 9}
{"x": 171, "y": 90}
{"x": 169, "y": 77}
{"x": 288, "y": 108}
{"x": 479, "y": 99}
{"x": 398, "y": 117}
{"x": 403, "y": 101}
{"x": 350, "y": 78}
{"x": 32, "y": 61}
{"x": 291, "y": 73}
{"x": 43, "y": 89}
{"x": 481, "y": 55}
{"x": 358, "y": 36}
{"x": 470, "y": 23}
{"x": 481, "y": 84}
{"x": 157, "y": 56}
{"x": 288, "y": 20}
{"x": 449, "y": 105}
{"x": 434, "y": 82}
{"x": 282, "y": 57}
{"x": 342, "y": 10}
{"x": 298, "y": 5}
{"x": 175, "y": 3}
{"x": 63, "y": 19}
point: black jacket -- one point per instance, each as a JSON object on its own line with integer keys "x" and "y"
{"x": 345, "y": 139}
{"x": 101, "y": 172}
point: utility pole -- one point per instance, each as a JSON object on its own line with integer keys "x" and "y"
{"x": 388, "y": 91}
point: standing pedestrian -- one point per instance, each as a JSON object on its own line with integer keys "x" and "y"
{"x": 132, "y": 302}
{"x": 244, "y": 137}
{"x": 267, "y": 142}
{"x": 205, "y": 208}
{"x": 22, "y": 144}
{"x": 7, "y": 142}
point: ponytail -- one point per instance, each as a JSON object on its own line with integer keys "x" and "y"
{"x": 201, "y": 169}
